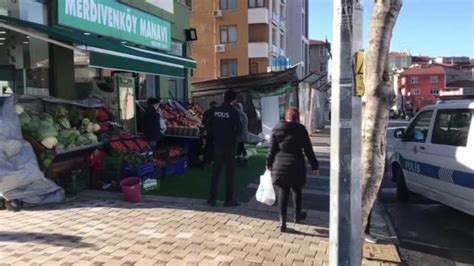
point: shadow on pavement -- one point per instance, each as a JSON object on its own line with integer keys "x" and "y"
{"x": 296, "y": 232}
{"x": 59, "y": 240}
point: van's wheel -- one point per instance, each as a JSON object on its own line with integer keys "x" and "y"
{"x": 403, "y": 194}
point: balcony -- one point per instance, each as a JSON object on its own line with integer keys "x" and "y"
{"x": 275, "y": 50}
{"x": 258, "y": 16}
{"x": 275, "y": 18}
{"x": 258, "y": 50}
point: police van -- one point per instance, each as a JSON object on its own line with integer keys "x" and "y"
{"x": 434, "y": 155}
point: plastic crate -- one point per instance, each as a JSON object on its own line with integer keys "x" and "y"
{"x": 170, "y": 169}
{"x": 140, "y": 171}
{"x": 180, "y": 167}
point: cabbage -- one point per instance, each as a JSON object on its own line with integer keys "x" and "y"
{"x": 92, "y": 137}
{"x": 49, "y": 142}
{"x": 25, "y": 119}
{"x": 45, "y": 117}
{"x": 68, "y": 137}
{"x": 46, "y": 132}
{"x": 95, "y": 127}
{"x": 64, "y": 122}
{"x": 82, "y": 140}
{"x": 19, "y": 109}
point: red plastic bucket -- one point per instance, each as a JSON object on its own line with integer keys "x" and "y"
{"x": 132, "y": 189}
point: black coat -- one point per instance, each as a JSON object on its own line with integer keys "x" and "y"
{"x": 206, "y": 120}
{"x": 225, "y": 126}
{"x": 286, "y": 159}
{"x": 151, "y": 128}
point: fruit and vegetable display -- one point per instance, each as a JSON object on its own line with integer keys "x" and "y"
{"x": 196, "y": 110}
{"x": 179, "y": 121}
{"x": 176, "y": 117}
{"x": 129, "y": 145}
{"x": 64, "y": 129}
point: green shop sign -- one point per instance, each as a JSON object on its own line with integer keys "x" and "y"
{"x": 110, "y": 18}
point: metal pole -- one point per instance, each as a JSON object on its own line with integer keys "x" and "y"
{"x": 345, "y": 200}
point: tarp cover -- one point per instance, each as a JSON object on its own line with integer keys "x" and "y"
{"x": 20, "y": 176}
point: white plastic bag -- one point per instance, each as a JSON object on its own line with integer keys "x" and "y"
{"x": 265, "y": 192}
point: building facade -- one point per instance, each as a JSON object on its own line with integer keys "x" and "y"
{"x": 241, "y": 37}
{"x": 297, "y": 35}
{"x": 318, "y": 57}
{"x": 60, "y": 48}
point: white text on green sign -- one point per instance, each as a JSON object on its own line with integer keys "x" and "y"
{"x": 109, "y": 18}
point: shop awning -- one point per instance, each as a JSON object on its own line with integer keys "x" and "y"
{"x": 102, "y": 52}
{"x": 259, "y": 85}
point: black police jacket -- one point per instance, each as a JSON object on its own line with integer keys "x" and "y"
{"x": 225, "y": 126}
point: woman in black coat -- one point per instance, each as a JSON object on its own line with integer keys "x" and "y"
{"x": 287, "y": 163}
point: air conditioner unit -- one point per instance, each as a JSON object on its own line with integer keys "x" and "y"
{"x": 217, "y": 13}
{"x": 220, "y": 48}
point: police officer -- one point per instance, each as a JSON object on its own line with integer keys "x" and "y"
{"x": 225, "y": 126}
{"x": 209, "y": 148}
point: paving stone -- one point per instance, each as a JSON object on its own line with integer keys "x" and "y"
{"x": 86, "y": 231}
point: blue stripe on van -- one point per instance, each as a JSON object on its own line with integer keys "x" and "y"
{"x": 458, "y": 177}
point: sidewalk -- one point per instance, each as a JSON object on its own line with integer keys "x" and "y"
{"x": 381, "y": 227}
{"x": 98, "y": 228}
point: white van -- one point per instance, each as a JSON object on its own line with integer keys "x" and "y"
{"x": 434, "y": 155}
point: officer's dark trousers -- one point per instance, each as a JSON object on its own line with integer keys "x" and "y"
{"x": 223, "y": 159}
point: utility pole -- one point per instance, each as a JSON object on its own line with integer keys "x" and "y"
{"x": 345, "y": 245}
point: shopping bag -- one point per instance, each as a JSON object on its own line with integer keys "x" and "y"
{"x": 265, "y": 192}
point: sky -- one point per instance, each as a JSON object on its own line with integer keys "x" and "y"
{"x": 424, "y": 27}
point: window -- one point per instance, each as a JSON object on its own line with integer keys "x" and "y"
{"x": 434, "y": 79}
{"x": 414, "y": 80}
{"x": 282, "y": 41}
{"x": 282, "y": 11}
{"x": 452, "y": 127}
{"x": 35, "y": 11}
{"x": 418, "y": 131}
{"x": 322, "y": 52}
{"x": 228, "y": 4}
{"x": 323, "y": 67}
{"x": 415, "y": 91}
{"x": 434, "y": 91}
{"x": 177, "y": 88}
{"x": 228, "y": 68}
{"x": 256, "y": 3}
{"x": 274, "y": 6}
{"x": 253, "y": 67}
{"x": 274, "y": 37}
{"x": 228, "y": 34}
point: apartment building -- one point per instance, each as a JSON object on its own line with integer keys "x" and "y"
{"x": 242, "y": 37}
{"x": 297, "y": 43}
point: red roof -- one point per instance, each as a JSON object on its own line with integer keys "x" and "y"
{"x": 397, "y": 54}
{"x": 424, "y": 70}
{"x": 316, "y": 42}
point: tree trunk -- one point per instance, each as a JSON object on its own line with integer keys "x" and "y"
{"x": 379, "y": 99}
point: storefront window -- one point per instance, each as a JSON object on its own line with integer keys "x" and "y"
{"x": 24, "y": 62}
{"x": 30, "y": 10}
{"x": 177, "y": 89}
{"x": 147, "y": 87}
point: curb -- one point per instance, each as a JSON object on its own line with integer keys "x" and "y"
{"x": 388, "y": 222}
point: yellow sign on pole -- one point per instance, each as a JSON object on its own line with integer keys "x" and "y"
{"x": 359, "y": 73}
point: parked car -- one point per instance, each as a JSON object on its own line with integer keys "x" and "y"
{"x": 433, "y": 156}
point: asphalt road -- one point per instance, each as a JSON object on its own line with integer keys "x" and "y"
{"x": 429, "y": 233}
